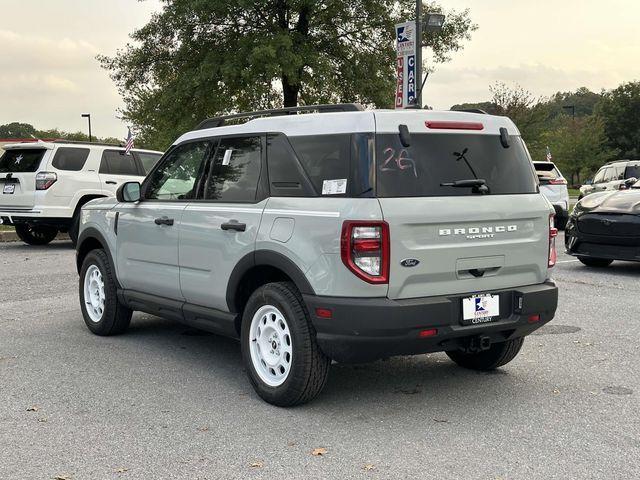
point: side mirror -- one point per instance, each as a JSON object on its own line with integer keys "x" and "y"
{"x": 630, "y": 181}
{"x": 128, "y": 192}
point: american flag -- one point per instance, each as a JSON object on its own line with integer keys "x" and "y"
{"x": 549, "y": 156}
{"x": 129, "y": 144}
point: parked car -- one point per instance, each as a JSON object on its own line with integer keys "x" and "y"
{"x": 612, "y": 176}
{"x": 605, "y": 226}
{"x": 553, "y": 185}
{"x": 45, "y": 184}
{"x": 348, "y": 235}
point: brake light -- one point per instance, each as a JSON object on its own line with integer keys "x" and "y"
{"x": 444, "y": 125}
{"x": 364, "y": 247}
{"x": 557, "y": 181}
{"x": 623, "y": 186}
{"x": 45, "y": 179}
{"x": 553, "y": 233}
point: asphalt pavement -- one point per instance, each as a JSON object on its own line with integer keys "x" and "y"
{"x": 166, "y": 401}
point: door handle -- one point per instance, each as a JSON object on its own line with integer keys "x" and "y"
{"x": 234, "y": 225}
{"x": 164, "y": 221}
{"x": 111, "y": 182}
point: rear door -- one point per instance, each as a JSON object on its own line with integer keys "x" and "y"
{"x": 447, "y": 240}
{"x": 18, "y": 169}
{"x": 221, "y": 228}
{"x": 117, "y": 168}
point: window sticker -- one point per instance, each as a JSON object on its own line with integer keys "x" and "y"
{"x": 334, "y": 187}
{"x": 227, "y": 157}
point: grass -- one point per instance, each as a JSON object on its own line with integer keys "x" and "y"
{"x": 574, "y": 192}
{"x": 5, "y": 228}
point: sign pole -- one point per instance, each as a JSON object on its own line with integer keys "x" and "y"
{"x": 418, "y": 100}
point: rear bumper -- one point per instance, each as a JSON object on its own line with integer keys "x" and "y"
{"x": 32, "y": 216}
{"x": 363, "y": 329}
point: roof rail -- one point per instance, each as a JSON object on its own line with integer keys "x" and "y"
{"x": 338, "y": 107}
{"x": 98, "y": 144}
{"x": 472, "y": 110}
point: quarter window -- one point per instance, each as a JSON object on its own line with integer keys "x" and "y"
{"x": 235, "y": 170}
{"x": 72, "y": 159}
{"x": 115, "y": 162}
{"x": 286, "y": 177}
{"x": 175, "y": 178}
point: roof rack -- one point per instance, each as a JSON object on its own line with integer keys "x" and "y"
{"x": 98, "y": 144}
{"x": 338, "y": 107}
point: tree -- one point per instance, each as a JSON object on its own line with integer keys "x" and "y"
{"x": 200, "y": 58}
{"x": 620, "y": 110}
{"x": 17, "y": 130}
{"x": 583, "y": 100}
{"x": 579, "y": 147}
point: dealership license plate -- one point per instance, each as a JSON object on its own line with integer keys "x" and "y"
{"x": 480, "y": 309}
{"x": 9, "y": 188}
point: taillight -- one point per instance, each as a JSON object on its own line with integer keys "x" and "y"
{"x": 623, "y": 186}
{"x": 364, "y": 248}
{"x": 45, "y": 179}
{"x": 557, "y": 181}
{"x": 553, "y": 233}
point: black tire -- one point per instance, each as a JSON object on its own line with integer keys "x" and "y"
{"x": 595, "y": 262}
{"x": 115, "y": 317}
{"x": 36, "y": 235}
{"x": 309, "y": 367}
{"x": 497, "y": 355}
{"x": 74, "y": 229}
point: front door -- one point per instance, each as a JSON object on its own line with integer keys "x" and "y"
{"x": 148, "y": 231}
{"x": 221, "y": 228}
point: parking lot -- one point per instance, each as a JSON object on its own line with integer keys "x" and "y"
{"x": 167, "y": 401}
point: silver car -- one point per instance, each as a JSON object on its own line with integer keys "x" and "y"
{"x": 612, "y": 176}
{"x": 327, "y": 233}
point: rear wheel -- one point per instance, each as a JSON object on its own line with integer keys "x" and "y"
{"x": 103, "y": 314}
{"x": 497, "y": 355}
{"x": 282, "y": 358}
{"x": 595, "y": 262}
{"x": 36, "y": 235}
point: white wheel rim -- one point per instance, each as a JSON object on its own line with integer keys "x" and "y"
{"x": 94, "y": 293}
{"x": 270, "y": 345}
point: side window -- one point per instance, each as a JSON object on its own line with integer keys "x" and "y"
{"x": 599, "y": 176}
{"x": 175, "y": 179}
{"x": 148, "y": 160}
{"x": 68, "y": 158}
{"x": 608, "y": 174}
{"x": 235, "y": 170}
{"x": 115, "y": 162}
{"x": 619, "y": 172}
{"x": 286, "y": 177}
{"x": 325, "y": 158}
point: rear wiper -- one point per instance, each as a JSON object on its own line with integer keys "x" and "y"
{"x": 478, "y": 185}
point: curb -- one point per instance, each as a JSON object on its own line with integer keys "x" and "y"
{"x": 13, "y": 237}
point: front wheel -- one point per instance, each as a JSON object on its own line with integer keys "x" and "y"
{"x": 497, "y": 355}
{"x": 283, "y": 360}
{"x": 36, "y": 235}
{"x": 595, "y": 262}
{"x": 103, "y": 314}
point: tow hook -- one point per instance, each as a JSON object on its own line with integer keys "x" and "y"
{"x": 478, "y": 344}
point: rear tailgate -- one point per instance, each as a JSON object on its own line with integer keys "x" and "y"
{"x": 18, "y": 168}
{"x": 488, "y": 232}
{"x": 503, "y": 238}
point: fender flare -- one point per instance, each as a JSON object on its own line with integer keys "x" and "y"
{"x": 265, "y": 258}
{"x": 92, "y": 233}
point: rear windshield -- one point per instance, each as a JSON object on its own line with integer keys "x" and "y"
{"x": 21, "y": 160}
{"x": 632, "y": 171}
{"x": 433, "y": 159}
{"x": 546, "y": 170}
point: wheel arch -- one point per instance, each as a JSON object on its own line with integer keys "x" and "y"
{"x": 256, "y": 269}
{"x": 91, "y": 239}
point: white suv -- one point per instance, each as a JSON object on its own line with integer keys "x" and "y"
{"x": 554, "y": 186}
{"x": 43, "y": 185}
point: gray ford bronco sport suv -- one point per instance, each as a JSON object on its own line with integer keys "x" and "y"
{"x": 327, "y": 233}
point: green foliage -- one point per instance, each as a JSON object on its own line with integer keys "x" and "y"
{"x": 200, "y": 58}
{"x": 579, "y": 147}
{"x": 620, "y": 110}
{"x": 17, "y": 130}
{"x": 583, "y": 100}
{"x": 25, "y": 130}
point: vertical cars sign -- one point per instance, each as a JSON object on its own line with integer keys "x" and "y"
{"x": 406, "y": 64}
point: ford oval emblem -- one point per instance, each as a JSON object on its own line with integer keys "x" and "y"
{"x": 409, "y": 262}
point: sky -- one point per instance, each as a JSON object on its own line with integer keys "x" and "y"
{"x": 49, "y": 74}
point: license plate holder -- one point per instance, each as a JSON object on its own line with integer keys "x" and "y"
{"x": 9, "y": 188}
{"x": 482, "y": 308}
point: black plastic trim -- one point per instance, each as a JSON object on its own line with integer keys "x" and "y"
{"x": 93, "y": 233}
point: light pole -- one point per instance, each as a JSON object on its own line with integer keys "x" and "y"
{"x": 573, "y": 110}
{"x": 88, "y": 117}
{"x": 433, "y": 23}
